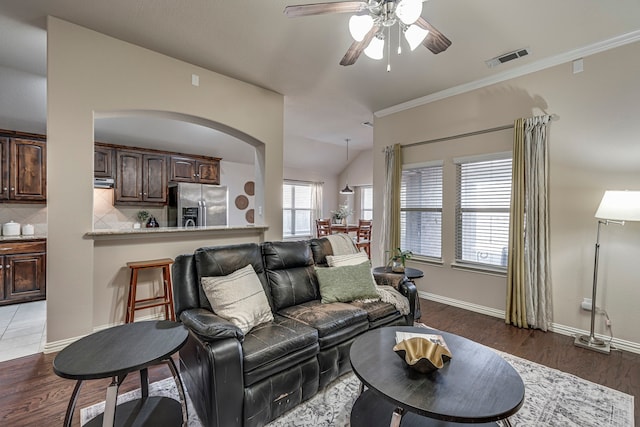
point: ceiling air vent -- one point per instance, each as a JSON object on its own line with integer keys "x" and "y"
{"x": 506, "y": 57}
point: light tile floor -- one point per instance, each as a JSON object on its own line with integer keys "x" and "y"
{"x": 22, "y": 329}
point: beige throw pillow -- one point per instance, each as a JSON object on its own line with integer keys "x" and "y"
{"x": 350, "y": 259}
{"x": 238, "y": 298}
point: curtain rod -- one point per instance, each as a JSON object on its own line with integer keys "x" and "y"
{"x": 553, "y": 117}
{"x": 302, "y": 181}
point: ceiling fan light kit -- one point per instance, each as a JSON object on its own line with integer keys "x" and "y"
{"x": 368, "y": 28}
{"x": 359, "y": 26}
{"x": 415, "y": 36}
{"x": 375, "y": 50}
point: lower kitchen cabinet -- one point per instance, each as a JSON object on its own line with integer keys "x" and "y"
{"x": 22, "y": 271}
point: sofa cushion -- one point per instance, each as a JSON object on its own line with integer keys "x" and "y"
{"x": 346, "y": 283}
{"x": 238, "y": 298}
{"x": 334, "y": 322}
{"x": 320, "y": 248}
{"x": 377, "y": 310}
{"x": 275, "y": 346}
{"x": 223, "y": 260}
{"x": 289, "y": 268}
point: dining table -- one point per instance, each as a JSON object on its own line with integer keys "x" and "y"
{"x": 344, "y": 228}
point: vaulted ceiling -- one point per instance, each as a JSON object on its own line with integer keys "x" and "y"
{"x": 325, "y": 103}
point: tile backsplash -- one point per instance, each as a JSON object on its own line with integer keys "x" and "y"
{"x": 25, "y": 214}
{"x": 106, "y": 216}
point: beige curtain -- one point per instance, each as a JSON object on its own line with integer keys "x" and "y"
{"x": 316, "y": 205}
{"x": 529, "y": 271}
{"x": 390, "y": 235}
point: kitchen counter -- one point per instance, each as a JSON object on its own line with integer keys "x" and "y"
{"x": 164, "y": 231}
{"x": 22, "y": 238}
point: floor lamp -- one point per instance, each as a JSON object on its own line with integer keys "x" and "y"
{"x": 616, "y": 207}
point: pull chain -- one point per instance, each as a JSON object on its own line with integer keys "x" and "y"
{"x": 389, "y": 49}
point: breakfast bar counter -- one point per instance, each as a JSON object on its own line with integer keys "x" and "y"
{"x": 173, "y": 231}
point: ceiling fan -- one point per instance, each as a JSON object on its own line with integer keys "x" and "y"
{"x": 371, "y": 18}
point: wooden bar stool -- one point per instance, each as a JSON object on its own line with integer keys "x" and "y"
{"x": 165, "y": 300}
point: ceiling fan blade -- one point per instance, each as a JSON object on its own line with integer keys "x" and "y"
{"x": 356, "y": 48}
{"x": 325, "y": 8}
{"x": 436, "y": 42}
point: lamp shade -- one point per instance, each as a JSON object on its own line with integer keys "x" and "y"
{"x": 346, "y": 190}
{"x": 359, "y": 26}
{"x": 620, "y": 206}
{"x": 375, "y": 50}
{"x": 409, "y": 11}
{"x": 415, "y": 35}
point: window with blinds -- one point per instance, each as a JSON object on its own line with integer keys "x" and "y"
{"x": 296, "y": 212}
{"x": 366, "y": 205}
{"x": 482, "y": 211}
{"x": 421, "y": 210}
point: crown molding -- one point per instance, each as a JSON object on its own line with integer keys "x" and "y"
{"x": 542, "y": 64}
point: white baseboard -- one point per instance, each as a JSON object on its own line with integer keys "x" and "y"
{"x": 618, "y": 343}
{"x": 55, "y": 346}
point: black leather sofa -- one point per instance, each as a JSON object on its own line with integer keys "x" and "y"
{"x": 237, "y": 379}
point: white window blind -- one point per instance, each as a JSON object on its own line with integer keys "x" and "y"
{"x": 482, "y": 212}
{"x": 296, "y": 214}
{"x": 366, "y": 206}
{"x": 421, "y": 211}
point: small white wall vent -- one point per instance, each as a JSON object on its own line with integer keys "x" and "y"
{"x": 506, "y": 57}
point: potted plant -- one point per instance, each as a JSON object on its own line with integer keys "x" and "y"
{"x": 340, "y": 215}
{"x": 142, "y": 216}
{"x": 398, "y": 260}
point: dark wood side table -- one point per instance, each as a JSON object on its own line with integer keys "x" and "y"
{"x": 476, "y": 386}
{"x": 114, "y": 353}
{"x": 411, "y": 274}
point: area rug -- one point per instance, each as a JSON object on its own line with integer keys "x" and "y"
{"x": 552, "y": 398}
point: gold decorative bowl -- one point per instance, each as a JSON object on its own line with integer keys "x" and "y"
{"x": 422, "y": 355}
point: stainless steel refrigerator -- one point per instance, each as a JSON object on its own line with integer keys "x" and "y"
{"x": 197, "y": 205}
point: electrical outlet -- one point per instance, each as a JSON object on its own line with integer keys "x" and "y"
{"x": 586, "y": 304}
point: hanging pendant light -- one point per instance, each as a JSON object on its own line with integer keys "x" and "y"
{"x": 347, "y": 189}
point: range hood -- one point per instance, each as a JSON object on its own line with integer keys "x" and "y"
{"x": 103, "y": 182}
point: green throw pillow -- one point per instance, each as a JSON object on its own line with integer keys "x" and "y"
{"x": 347, "y": 283}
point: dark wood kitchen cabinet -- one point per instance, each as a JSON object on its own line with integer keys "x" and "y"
{"x": 22, "y": 271}
{"x": 195, "y": 169}
{"x": 141, "y": 177}
{"x": 23, "y": 171}
{"x": 102, "y": 161}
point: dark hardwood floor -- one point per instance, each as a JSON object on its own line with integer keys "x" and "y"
{"x": 32, "y": 395}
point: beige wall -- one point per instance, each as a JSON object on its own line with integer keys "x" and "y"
{"x": 89, "y": 73}
{"x": 594, "y": 147}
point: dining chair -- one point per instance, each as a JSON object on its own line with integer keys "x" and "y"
{"x": 363, "y": 235}
{"x": 323, "y": 227}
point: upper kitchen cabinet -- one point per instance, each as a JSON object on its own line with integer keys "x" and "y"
{"x": 102, "y": 161}
{"x": 23, "y": 173}
{"x": 203, "y": 170}
{"x": 140, "y": 177}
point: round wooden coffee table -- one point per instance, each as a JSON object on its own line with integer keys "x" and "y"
{"x": 476, "y": 386}
{"x": 114, "y": 353}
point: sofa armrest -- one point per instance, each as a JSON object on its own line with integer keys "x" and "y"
{"x": 407, "y": 288}
{"x": 403, "y": 285}
{"x": 208, "y": 326}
